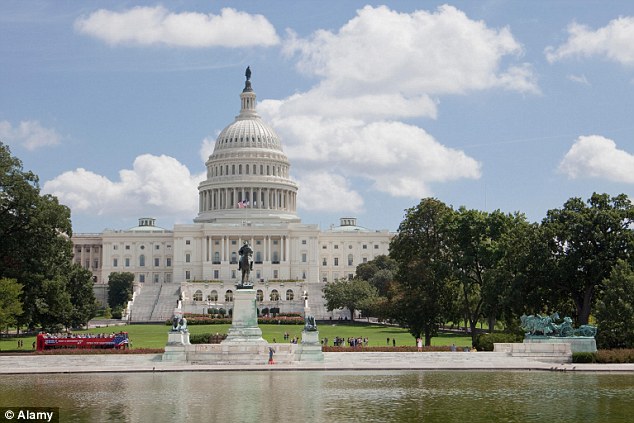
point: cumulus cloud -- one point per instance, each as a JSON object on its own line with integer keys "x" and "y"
{"x": 155, "y": 183}
{"x": 598, "y": 157}
{"x": 420, "y": 53}
{"x": 324, "y": 191}
{"x": 157, "y": 25}
{"x": 613, "y": 41}
{"x": 29, "y": 134}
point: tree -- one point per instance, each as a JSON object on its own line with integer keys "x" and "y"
{"x": 615, "y": 309}
{"x": 379, "y": 272}
{"x": 35, "y": 245}
{"x": 10, "y": 304}
{"x": 479, "y": 243}
{"x": 424, "y": 294}
{"x": 354, "y": 294}
{"x": 120, "y": 289}
{"x": 585, "y": 242}
{"x": 82, "y": 296}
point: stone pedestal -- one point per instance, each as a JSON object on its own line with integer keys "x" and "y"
{"x": 244, "y": 323}
{"x": 577, "y": 343}
{"x": 176, "y": 348}
{"x": 310, "y": 347}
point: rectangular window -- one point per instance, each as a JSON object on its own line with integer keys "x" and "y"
{"x": 115, "y": 262}
{"x": 275, "y": 274}
{"x": 127, "y": 262}
{"x": 115, "y": 247}
{"x": 336, "y": 261}
{"x": 95, "y": 264}
{"x": 157, "y": 247}
{"x": 142, "y": 278}
{"x": 233, "y": 274}
{"x": 376, "y": 247}
{"x": 157, "y": 262}
{"x": 87, "y": 266}
{"x": 187, "y": 258}
{"x": 303, "y": 257}
{"x": 336, "y": 247}
{"x": 188, "y": 242}
{"x": 156, "y": 278}
{"x": 303, "y": 242}
{"x": 127, "y": 247}
{"x": 216, "y": 274}
{"x": 187, "y": 275}
{"x": 323, "y": 247}
{"x": 168, "y": 277}
{"x": 168, "y": 262}
{"x": 324, "y": 262}
{"x": 365, "y": 246}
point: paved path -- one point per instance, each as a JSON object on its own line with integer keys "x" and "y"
{"x": 104, "y": 363}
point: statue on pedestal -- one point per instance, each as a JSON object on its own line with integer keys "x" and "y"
{"x": 245, "y": 265}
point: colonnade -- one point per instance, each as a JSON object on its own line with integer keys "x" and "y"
{"x": 257, "y": 198}
{"x": 270, "y": 252}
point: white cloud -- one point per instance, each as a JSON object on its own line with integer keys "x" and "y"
{"x": 400, "y": 159}
{"x": 581, "y": 79}
{"x": 324, "y": 191}
{"x": 613, "y": 41}
{"x": 598, "y": 157}
{"x": 154, "y": 185}
{"x": 382, "y": 51}
{"x": 206, "y": 149}
{"x": 29, "y": 134}
{"x": 157, "y": 25}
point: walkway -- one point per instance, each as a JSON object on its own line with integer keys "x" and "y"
{"x": 478, "y": 361}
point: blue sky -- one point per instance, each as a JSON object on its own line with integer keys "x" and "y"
{"x": 509, "y": 105}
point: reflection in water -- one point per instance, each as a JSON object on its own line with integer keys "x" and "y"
{"x": 314, "y": 396}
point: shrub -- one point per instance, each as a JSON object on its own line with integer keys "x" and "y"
{"x": 624, "y": 355}
{"x": 584, "y": 357}
{"x": 485, "y": 341}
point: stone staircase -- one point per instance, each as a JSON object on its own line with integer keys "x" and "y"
{"x": 155, "y": 302}
{"x": 166, "y": 302}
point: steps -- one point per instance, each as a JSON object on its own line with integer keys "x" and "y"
{"x": 154, "y": 303}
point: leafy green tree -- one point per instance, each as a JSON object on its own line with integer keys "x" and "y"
{"x": 10, "y": 304}
{"x": 35, "y": 245}
{"x": 354, "y": 294}
{"x": 615, "y": 309}
{"x": 53, "y": 306}
{"x": 479, "y": 243}
{"x": 585, "y": 242}
{"x": 425, "y": 292}
{"x": 120, "y": 289}
{"x": 82, "y": 297}
{"x": 379, "y": 272}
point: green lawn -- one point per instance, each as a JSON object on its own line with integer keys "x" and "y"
{"x": 155, "y": 335}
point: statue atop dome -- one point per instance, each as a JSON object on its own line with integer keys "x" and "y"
{"x": 247, "y": 83}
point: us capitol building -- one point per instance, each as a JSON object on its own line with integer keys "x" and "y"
{"x": 248, "y": 196}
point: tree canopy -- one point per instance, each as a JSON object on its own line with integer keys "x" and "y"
{"x": 36, "y": 250}
{"x": 354, "y": 294}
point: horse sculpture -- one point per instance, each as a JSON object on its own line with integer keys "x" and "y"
{"x": 245, "y": 264}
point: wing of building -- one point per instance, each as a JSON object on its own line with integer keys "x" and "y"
{"x": 248, "y": 196}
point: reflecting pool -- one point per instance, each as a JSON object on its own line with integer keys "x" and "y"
{"x": 325, "y": 396}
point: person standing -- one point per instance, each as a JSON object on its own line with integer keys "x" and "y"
{"x": 419, "y": 344}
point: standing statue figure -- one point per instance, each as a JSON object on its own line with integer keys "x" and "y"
{"x": 248, "y": 73}
{"x": 246, "y": 263}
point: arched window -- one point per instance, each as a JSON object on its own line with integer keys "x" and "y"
{"x": 259, "y": 296}
{"x": 141, "y": 260}
{"x": 289, "y": 295}
{"x": 198, "y": 295}
{"x": 229, "y": 296}
{"x": 275, "y": 296}
{"x": 213, "y": 296}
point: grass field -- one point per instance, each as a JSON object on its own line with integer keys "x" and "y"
{"x": 155, "y": 335}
